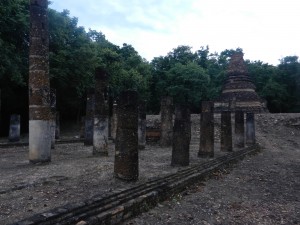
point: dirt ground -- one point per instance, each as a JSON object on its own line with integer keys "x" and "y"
{"x": 262, "y": 189}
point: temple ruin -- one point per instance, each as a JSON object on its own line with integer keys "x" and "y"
{"x": 238, "y": 92}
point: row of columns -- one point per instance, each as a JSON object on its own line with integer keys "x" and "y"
{"x": 207, "y": 130}
{"x": 15, "y": 128}
{"x": 41, "y": 131}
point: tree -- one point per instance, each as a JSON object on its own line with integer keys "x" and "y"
{"x": 179, "y": 75}
{"x": 276, "y": 96}
{"x": 14, "y": 42}
{"x": 188, "y": 83}
{"x": 290, "y": 76}
{"x": 73, "y": 59}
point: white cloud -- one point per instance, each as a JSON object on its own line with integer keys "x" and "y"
{"x": 267, "y": 30}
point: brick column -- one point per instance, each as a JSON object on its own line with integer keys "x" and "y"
{"x": 181, "y": 136}
{"x": 114, "y": 121}
{"x": 39, "y": 84}
{"x": 82, "y": 127}
{"x": 142, "y": 125}
{"x": 166, "y": 127}
{"x": 0, "y": 112}
{"x": 250, "y": 129}
{"x": 53, "y": 116}
{"x": 226, "y": 132}
{"x": 239, "y": 129}
{"x": 100, "y": 137}
{"x": 14, "y": 128}
{"x": 207, "y": 130}
{"x": 89, "y": 118}
{"x": 126, "y": 154}
{"x": 57, "y": 126}
{"x": 110, "y": 115}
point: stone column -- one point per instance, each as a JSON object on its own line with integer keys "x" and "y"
{"x": 142, "y": 125}
{"x": 100, "y": 137}
{"x": 207, "y": 130}
{"x": 82, "y": 127}
{"x": 57, "y": 126}
{"x": 89, "y": 118}
{"x": 0, "y": 112}
{"x": 166, "y": 125}
{"x": 126, "y": 153}
{"x": 250, "y": 129}
{"x": 110, "y": 114}
{"x": 114, "y": 121}
{"x": 53, "y": 116}
{"x": 181, "y": 136}
{"x": 226, "y": 132}
{"x": 39, "y": 84}
{"x": 14, "y": 129}
{"x": 239, "y": 129}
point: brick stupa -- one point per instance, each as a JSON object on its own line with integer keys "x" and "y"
{"x": 238, "y": 92}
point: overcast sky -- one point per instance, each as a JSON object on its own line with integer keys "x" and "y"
{"x": 266, "y": 30}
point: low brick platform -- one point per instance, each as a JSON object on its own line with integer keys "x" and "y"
{"x": 122, "y": 204}
{"x": 21, "y": 144}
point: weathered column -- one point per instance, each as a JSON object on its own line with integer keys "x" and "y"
{"x": 207, "y": 130}
{"x": 166, "y": 125}
{"x": 250, "y": 129}
{"x": 114, "y": 121}
{"x": 100, "y": 137}
{"x": 57, "y": 126}
{"x": 82, "y": 127}
{"x": 14, "y": 128}
{"x": 226, "y": 132}
{"x": 126, "y": 153}
{"x": 239, "y": 130}
{"x": 39, "y": 84}
{"x": 53, "y": 116}
{"x": 89, "y": 117}
{"x": 142, "y": 125}
{"x": 181, "y": 136}
{"x": 0, "y": 112}
{"x": 110, "y": 114}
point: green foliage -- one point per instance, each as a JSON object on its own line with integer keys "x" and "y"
{"x": 261, "y": 73}
{"x": 126, "y": 69}
{"x": 135, "y": 73}
{"x": 187, "y": 83}
{"x": 276, "y": 95}
{"x": 75, "y": 54}
{"x": 73, "y": 60}
{"x": 290, "y": 77}
{"x": 182, "y": 75}
{"x": 14, "y": 26}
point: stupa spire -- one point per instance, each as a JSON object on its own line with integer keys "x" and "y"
{"x": 238, "y": 92}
